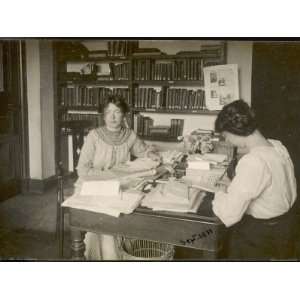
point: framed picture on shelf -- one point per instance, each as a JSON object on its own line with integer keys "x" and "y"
{"x": 221, "y": 85}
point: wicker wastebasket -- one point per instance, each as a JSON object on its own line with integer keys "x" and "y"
{"x": 136, "y": 249}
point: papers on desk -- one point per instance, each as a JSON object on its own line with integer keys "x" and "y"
{"x": 137, "y": 165}
{"x": 124, "y": 202}
{"x": 208, "y": 184}
{"x": 100, "y": 188}
{"x": 213, "y": 158}
{"x": 162, "y": 198}
{"x": 171, "y": 156}
{"x": 216, "y": 157}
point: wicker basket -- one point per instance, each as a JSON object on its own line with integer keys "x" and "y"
{"x": 136, "y": 249}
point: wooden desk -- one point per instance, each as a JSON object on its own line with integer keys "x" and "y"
{"x": 200, "y": 231}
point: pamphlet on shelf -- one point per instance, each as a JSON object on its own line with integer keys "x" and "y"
{"x": 221, "y": 85}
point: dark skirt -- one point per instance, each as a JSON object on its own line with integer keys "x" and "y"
{"x": 262, "y": 239}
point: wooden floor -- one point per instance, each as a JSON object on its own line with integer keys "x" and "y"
{"x": 27, "y": 230}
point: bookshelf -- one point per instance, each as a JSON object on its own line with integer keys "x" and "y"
{"x": 149, "y": 80}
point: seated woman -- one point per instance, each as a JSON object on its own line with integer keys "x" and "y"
{"x": 262, "y": 192}
{"x": 104, "y": 148}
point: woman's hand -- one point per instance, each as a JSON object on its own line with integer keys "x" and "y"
{"x": 154, "y": 156}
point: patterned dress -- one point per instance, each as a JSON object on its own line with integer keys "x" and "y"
{"x": 102, "y": 150}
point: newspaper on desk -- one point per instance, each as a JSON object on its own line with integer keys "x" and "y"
{"x": 113, "y": 191}
{"x": 174, "y": 196}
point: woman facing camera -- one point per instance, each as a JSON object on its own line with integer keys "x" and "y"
{"x": 257, "y": 201}
{"x": 104, "y": 148}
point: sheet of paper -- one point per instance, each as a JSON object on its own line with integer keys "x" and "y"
{"x": 199, "y": 165}
{"x": 219, "y": 158}
{"x": 100, "y": 188}
{"x": 124, "y": 203}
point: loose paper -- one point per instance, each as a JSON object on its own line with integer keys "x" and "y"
{"x": 100, "y": 188}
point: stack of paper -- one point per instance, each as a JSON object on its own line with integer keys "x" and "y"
{"x": 215, "y": 157}
{"x": 105, "y": 196}
{"x": 100, "y": 188}
{"x": 125, "y": 202}
{"x": 199, "y": 165}
{"x": 179, "y": 199}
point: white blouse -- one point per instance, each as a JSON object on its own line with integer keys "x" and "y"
{"x": 264, "y": 186}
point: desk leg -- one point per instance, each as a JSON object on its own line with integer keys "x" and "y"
{"x": 77, "y": 244}
{"x": 210, "y": 255}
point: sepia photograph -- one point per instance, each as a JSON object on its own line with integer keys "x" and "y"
{"x": 118, "y": 149}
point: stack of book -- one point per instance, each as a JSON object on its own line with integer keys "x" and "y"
{"x": 159, "y": 130}
{"x": 213, "y": 51}
{"x": 144, "y": 126}
{"x": 146, "y": 52}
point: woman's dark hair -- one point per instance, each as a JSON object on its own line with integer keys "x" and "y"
{"x": 236, "y": 118}
{"x": 117, "y": 101}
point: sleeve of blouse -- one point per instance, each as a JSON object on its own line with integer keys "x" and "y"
{"x": 251, "y": 179}
{"x": 139, "y": 147}
{"x": 85, "y": 163}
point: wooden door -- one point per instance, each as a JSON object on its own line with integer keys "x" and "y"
{"x": 276, "y": 94}
{"x": 11, "y": 129}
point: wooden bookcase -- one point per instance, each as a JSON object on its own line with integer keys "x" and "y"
{"x": 159, "y": 83}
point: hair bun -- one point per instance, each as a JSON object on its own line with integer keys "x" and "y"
{"x": 236, "y": 118}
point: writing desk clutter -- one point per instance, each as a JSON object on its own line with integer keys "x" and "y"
{"x": 201, "y": 231}
{"x": 198, "y": 229}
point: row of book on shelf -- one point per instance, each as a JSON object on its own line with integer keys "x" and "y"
{"x": 182, "y": 69}
{"x": 125, "y": 48}
{"x": 96, "y": 71}
{"x": 144, "y": 98}
{"x": 144, "y": 127}
{"x": 74, "y": 120}
{"x": 169, "y": 98}
{"x": 90, "y": 96}
{"x": 147, "y": 69}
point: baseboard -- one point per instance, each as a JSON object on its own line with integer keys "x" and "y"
{"x": 39, "y": 186}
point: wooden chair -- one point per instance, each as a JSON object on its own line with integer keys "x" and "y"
{"x": 66, "y": 189}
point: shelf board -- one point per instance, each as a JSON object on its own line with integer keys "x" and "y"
{"x": 198, "y": 83}
{"x": 77, "y": 107}
{"x": 141, "y": 57}
{"x": 95, "y": 82}
{"x": 177, "y": 111}
{"x": 174, "y": 56}
{"x": 98, "y": 59}
{"x": 159, "y": 139}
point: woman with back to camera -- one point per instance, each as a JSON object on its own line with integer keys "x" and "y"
{"x": 104, "y": 148}
{"x": 258, "y": 200}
